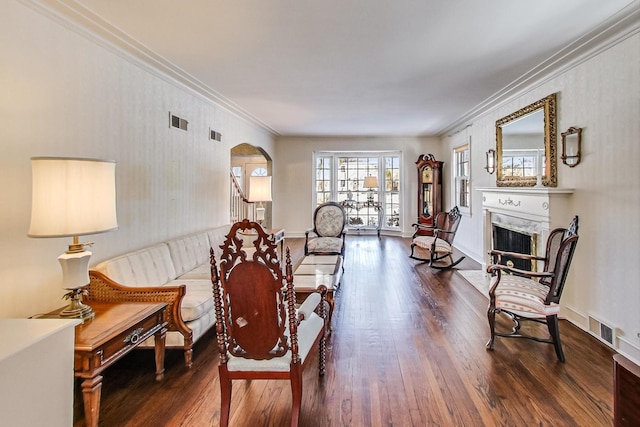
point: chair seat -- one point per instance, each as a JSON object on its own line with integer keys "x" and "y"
{"x": 308, "y": 331}
{"x": 325, "y": 244}
{"x": 524, "y": 297}
{"x": 425, "y": 242}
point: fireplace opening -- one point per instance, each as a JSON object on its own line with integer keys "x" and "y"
{"x": 506, "y": 239}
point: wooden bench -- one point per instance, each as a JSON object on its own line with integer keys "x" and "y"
{"x": 316, "y": 270}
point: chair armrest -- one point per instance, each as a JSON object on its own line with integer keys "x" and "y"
{"x": 310, "y": 231}
{"x": 103, "y": 289}
{"x": 309, "y": 305}
{"x": 497, "y": 268}
{"x": 518, "y": 255}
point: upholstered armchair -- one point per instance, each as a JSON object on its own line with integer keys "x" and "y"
{"x": 260, "y": 332}
{"x": 532, "y": 295}
{"x": 329, "y": 229}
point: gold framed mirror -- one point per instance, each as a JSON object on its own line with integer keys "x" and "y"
{"x": 526, "y": 146}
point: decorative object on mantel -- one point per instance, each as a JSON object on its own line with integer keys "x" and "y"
{"x": 571, "y": 144}
{"x": 73, "y": 197}
{"x": 491, "y": 161}
{"x": 526, "y": 145}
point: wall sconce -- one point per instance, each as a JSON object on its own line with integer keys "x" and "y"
{"x": 491, "y": 161}
{"x": 73, "y": 197}
{"x": 571, "y": 142}
{"x": 260, "y": 191}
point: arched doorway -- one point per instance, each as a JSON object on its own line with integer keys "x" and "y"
{"x": 246, "y": 161}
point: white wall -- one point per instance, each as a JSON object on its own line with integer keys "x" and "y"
{"x": 294, "y": 170}
{"x": 65, "y": 95}
{"x": 601, "y": 95}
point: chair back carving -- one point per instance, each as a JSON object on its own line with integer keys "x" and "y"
{"x": 249, "y": 298}
{"x": 561, "y": 245}
{"x": 448, "y": 221}
{"x": 329, "y": 219}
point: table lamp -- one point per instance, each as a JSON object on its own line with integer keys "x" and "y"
{"x": 73, "y": 197}
{"x": 370, "y": 182}
{"x": 260, "y": 191}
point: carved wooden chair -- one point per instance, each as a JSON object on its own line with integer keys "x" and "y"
{"x": 260, "y": 333}
{"x": 328, "y": 232}
{"x": 531, "y": 295}
{"x": 433, "y": 243}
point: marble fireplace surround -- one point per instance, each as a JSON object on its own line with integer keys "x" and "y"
{"x": 532, "y": 210}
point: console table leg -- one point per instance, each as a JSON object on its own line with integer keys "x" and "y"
{"x": 91, "y": 391}
{"x": 160, "y": 337}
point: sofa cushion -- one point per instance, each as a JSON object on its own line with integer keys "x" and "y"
{"x": 150, "y": 266}
{"x": 217, "y": 237}
{"x": 197, "y": 300}
{"x": 189, "y": 252}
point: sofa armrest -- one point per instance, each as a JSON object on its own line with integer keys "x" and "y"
{"x": 103, "y": 289}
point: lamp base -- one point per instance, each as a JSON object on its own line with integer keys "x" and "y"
{"x": 76, "y": 308}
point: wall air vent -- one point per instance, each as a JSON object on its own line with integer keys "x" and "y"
{"x": 602, "y": 331}
{"x": 214, "y": 136}
{"x": 177, "y": 122}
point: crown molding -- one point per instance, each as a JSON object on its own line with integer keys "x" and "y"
{"x": 616, "y": 29}
{"x": 92, "y": 27}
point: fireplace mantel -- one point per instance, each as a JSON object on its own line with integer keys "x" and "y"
{"x": 543, "y": 208}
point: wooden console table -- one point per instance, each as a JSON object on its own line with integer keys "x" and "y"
{"x": 115, "y": 330}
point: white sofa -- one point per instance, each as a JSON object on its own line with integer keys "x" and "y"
{"x": 176, "y": 272}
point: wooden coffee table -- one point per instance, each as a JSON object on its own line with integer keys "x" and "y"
{"x": 115, "y": 330}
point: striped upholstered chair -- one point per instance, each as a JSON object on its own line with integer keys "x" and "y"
{"x": 434, "y": 243}
{"x": 531, "y": 295}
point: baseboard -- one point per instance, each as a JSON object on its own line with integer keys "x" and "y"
{"x": 622, "y": 345}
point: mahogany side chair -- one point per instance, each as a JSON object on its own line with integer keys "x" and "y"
{"x": 260, "y": 332}
{"x": 532, "y": 295}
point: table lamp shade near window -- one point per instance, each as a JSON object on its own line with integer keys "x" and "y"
{"x": 73, "y": 197}
{"x": 370, "y": 182}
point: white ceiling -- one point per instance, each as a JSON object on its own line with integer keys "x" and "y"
{"x": 356, "y": 67}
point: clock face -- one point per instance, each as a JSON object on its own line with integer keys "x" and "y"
{"x": 427, "y": 174}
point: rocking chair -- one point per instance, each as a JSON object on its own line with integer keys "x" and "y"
{"x": 531, "y": 295}
{"x": 260, "y": 333}
{"x": 433, "y": 243}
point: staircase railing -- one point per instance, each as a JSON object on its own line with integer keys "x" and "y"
{"x": 241, "y": 208}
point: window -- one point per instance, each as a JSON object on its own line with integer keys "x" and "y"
{"x": 521, "y": 163}
{"x": 461, "y": 178}
{"x": 340, "y": 177}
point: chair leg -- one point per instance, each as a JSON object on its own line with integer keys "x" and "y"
{"x": 225, "y": 395}
{"x": 554, "y": 331}
{"x": 296, "y": 393}
{"x": 322, "y": 355}
{"x": 491, "y": 315}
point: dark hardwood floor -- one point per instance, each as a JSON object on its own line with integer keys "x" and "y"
{"x": 408, "y": 349}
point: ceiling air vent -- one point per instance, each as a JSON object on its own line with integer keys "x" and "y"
{"x": 177, "y": 122}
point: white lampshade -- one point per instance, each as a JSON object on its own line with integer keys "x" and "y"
{"x": 370, "y": 182}
{"x": 72, "y": 197}
{"x": 259, "y": 188}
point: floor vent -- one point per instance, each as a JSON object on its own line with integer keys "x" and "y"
{"x": 602, "y": 331}
{"x": 177, "y": 122}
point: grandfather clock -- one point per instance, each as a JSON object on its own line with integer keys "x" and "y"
{"x": 429, "y": 189}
